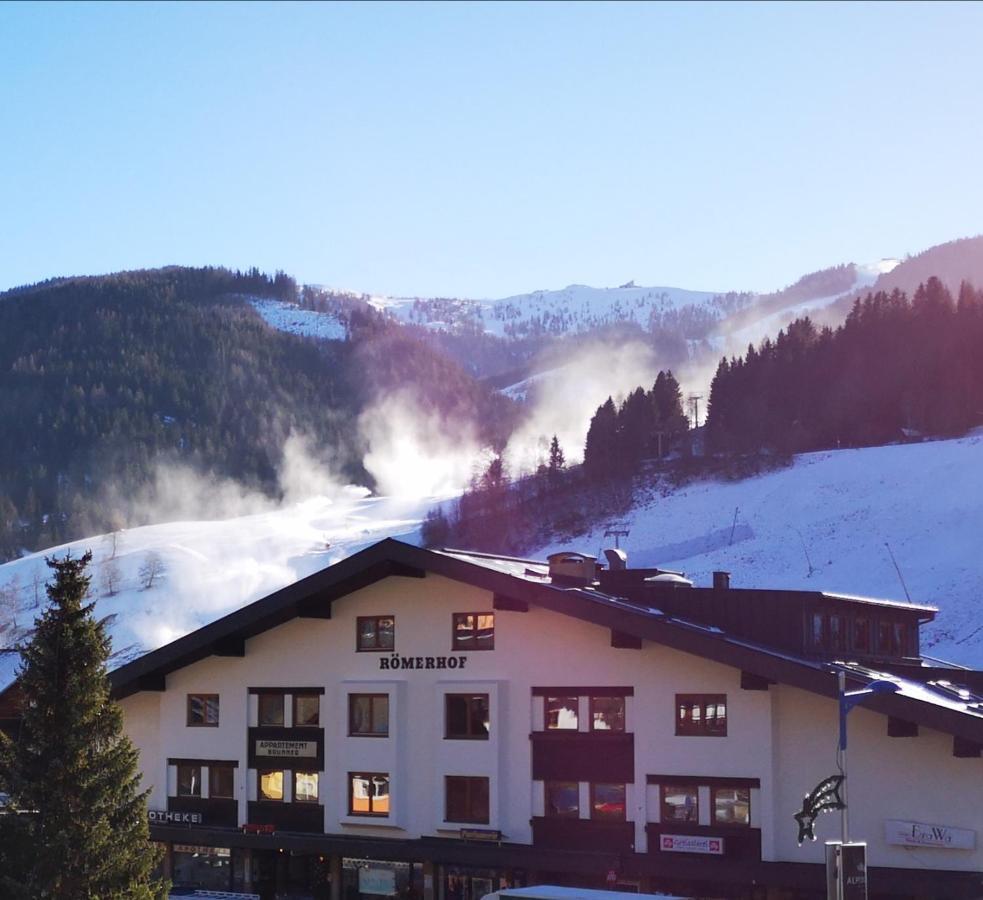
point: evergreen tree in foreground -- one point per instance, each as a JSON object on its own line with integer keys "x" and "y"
{"x": 72, "y": 775}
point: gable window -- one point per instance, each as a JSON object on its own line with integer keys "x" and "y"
{"x": 270, "y": 709}
{"x": 563, "y": 799}
{"x": 307, "y": 710}
{"x": 467, "y": 799}
{"x": 473, "y": 631}
{"x": 818, "y": 630}
{"x": 861, "y": 634}
{"x": 270, "y": 784}
{"x": 607, "y": 802}
{"x": 203, "y": 710}
{"x": 305, "y": 787}
{"x": 375, "y": 633}
{"x": 701, "y": 714}
{"x": 466, "y": 717}
{"x": 731, "y": 805}
{"x": 221, "y": 782}
{"x": 680, "y": 803}
{"x": 368, "y": 793}
{"x": 188, "y": 780}
{"x": 607, "y": 713}
{"x": 561, "y": 713}
{"x": 368, "y": 715}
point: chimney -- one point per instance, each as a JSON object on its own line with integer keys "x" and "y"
{"x": 617, "y": 559}
{"x": 571, "y": 568}
{"x": 721, "y": 581}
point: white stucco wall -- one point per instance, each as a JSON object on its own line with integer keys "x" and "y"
{"x": 784, "y": 737}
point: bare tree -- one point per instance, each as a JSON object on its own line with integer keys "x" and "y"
{"x": 9, "y": 603}
{"x": 37, "y": 585}
{"x": 152, "y": 569}
{"x": 109, "y": 577}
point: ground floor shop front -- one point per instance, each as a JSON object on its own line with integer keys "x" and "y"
{"x": 285, "y": 866}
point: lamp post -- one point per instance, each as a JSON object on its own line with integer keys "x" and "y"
{"x": 848, "y": 700}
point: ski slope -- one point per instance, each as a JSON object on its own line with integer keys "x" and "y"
{"x": 831, "y": 522}
{"x": 289, "y": 317}
{"x": 825, "y": 523}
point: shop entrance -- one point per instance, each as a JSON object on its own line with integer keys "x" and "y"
{"x": 373, "y": 879}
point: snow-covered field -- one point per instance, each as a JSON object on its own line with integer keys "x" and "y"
{"x": 829, "y": 522}
{"x": 289, "y": 317}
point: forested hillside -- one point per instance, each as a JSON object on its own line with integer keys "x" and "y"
{"x": 102, "y": 378}
{"x": 898, "y": 366}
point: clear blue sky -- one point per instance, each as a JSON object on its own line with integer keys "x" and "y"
{"x": 481, "y": 150}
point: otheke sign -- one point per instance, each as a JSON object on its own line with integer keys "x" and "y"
{"x": 286, "y": 748}
{"x": 166, "y": 817}
{"x": 920, "y": 834}
{"x": 689, "y": 843}
{"x": 422, "y": 662}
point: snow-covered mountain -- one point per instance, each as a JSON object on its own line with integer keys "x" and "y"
{"x": 574, "y": 309}
{"x": 832, "y": 521}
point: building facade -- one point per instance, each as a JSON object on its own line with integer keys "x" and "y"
{"x": 440, "y": 724}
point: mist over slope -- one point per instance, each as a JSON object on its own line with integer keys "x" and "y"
{"x": 824, "y": 523}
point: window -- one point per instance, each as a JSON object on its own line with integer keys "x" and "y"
{"x": 473, "y": 631}
{"x": 203, "y": 709}
{"x": 607, "y": 802}
{"x": 561, "y": 713}
{"x": 188, "y": 780}
{"x": 466, "y": 717}
{"x": 680, "y": 803}
{"x": 221, "y": 782}
{"x": 607, "y": 713}
{"x": 270, "y": 784}
{"x": 701, "y": 714}
{"x": 563, "y": 799}
{"x": 376, "y": 633}
{"x": 305, "y": 787}
{"x": 890, "y": 638}
{"x": 368, "y": 715}
{"x": 307, "y": 710}
{"x": 818, "y": 630}
{"x": 467, "y": 799}
{"x": 861, "y": 634}
{"x": 836, "y": 632}
{"x": 731, "y": 805}
{"x": 368, "y": 794}
{"x": 270, "y": 709}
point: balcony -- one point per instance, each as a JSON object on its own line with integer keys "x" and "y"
{"x": 552, "y": 833}
{"x": 303, "y": 817}
{"x": 607, "y": 756}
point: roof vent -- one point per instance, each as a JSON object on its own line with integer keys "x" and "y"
{"x": 672, "y": 579}
{"x": 721, "y": 581}
{"x": 617, "y": 559}
{"x": 572, "y": 568}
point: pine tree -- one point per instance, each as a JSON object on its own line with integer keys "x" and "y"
{"x": 73, "y": 773}
{"x": 557, "y": 461}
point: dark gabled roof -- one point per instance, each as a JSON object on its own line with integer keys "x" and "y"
{"x": 517, "y": 583}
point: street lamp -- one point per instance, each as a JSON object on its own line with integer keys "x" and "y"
{"x": 848, "y": 700}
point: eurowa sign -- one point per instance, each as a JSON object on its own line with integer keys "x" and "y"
{"x": 921, "y": 834}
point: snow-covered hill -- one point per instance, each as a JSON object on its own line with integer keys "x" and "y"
{"x": 829, "y": 522}
{"x": 832, "y": 522}
{"x": 574, "y": 309}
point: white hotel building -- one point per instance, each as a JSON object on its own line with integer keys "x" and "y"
{"x": 437, "y": 724}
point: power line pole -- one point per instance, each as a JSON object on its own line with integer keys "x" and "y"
{"x": 694, "y": 405}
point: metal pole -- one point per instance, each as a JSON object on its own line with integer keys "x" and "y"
{"x": 845, "y": 812}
